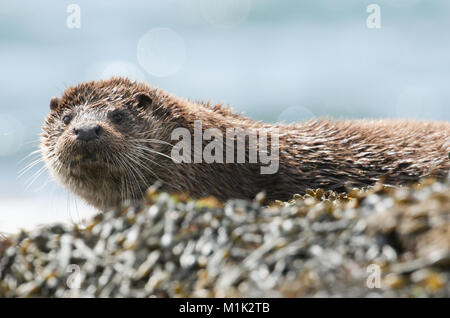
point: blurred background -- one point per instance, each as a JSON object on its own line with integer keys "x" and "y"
{"x": 272, "y": 60}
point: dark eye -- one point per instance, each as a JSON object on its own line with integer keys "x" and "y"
{"x": 66, "y": 119}
{"x": 117, "y": 117}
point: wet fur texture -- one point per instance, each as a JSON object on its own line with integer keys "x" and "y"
{"x": 130, "y": 156}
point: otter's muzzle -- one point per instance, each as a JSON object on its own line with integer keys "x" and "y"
{"x": 88, "y": 132}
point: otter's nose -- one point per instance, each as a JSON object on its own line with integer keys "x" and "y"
{"x": 88, "y": 133}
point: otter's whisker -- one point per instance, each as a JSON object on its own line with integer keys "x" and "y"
{"x": 142, "y": 165}
{"x": 157, "y": 141}
{"x": 142, "y": 156}
{"x": 127, "y": 183}
{"x": 34, "y": 177}
{"x": 135, "y": 169}
{"x": 33, "y": 153}
{"x": 157, "y": 152}
{"x": 29, "y": 166}
{"x": 49, "y": 180}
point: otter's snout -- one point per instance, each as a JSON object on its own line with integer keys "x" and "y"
{"x": 88, "y": 132}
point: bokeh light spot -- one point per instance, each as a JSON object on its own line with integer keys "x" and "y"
{"x": 161, "y": 52}
{"x": 225, "y": 13}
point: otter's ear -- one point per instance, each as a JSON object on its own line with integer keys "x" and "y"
{"x": 54, "y": 103}
{"x": 143, "y": 100}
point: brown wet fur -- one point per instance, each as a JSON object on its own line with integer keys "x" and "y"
{"x": 320, "y": 153}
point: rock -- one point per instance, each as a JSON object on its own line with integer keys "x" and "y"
{"x": 318, "y": 244}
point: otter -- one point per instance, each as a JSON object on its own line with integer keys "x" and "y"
{"x": 109, "y": 140}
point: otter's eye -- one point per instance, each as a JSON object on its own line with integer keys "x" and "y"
{"x": 117, "y": 118}
{"x": 66, "y": 119}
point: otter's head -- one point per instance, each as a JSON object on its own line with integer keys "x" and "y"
{"x": 97, "y": 140}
